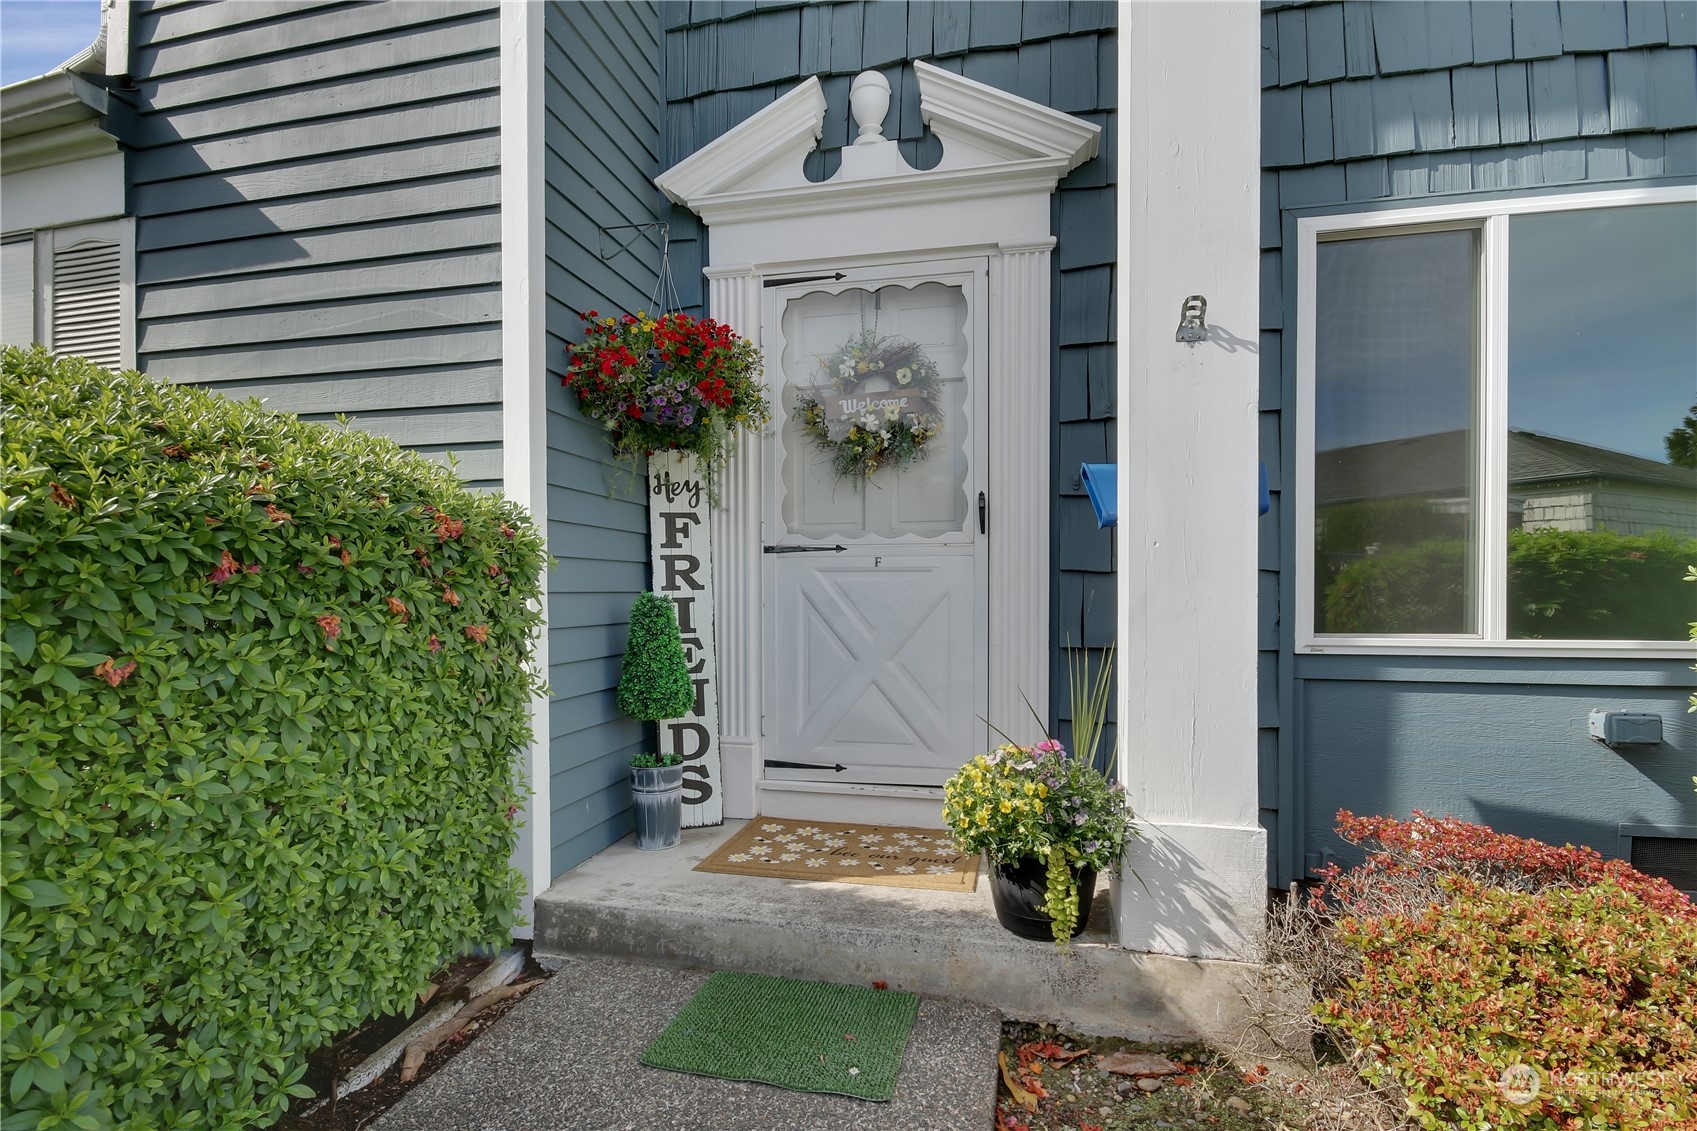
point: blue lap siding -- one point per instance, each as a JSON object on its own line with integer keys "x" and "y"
{"x": 1365, "y": 105}
{"x": 317, "y": 198}
{"x": 601, "y": 126}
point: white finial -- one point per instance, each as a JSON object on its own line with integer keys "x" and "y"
{"x": 869, "y": 98}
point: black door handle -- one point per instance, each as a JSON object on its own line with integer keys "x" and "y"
{"x": 803, "y": 549}
{"x": 983, "y": 514}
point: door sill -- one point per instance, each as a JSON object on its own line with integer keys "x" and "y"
{"x": 919, "y": 807}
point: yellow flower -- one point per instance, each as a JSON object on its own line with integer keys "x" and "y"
{"x": 1007, "y": 807}
{"x": 1030, "y": 788}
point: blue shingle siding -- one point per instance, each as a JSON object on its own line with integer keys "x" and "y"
{"x": 317, "y": 201}
{"x": 1414, "y": 85}
{"x": 1413, "y": 101}
{"x": 602, "y": 125}
{"x": 1058, "y": 54}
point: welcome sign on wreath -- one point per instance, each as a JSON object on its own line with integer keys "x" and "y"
{"x": 877, "y": 408}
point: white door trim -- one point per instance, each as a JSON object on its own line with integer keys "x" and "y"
{"x": 765, "y": 217}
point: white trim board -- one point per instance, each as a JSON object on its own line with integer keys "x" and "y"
{"x": 524, "y": 412}
{"x": 989, "y": 196}
{"x": 1188, "y": 431}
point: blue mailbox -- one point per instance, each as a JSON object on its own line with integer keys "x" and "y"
{"x": 1101, "y": 482}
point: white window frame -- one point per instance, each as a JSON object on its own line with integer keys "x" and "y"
{"x": 1491, "y": 219}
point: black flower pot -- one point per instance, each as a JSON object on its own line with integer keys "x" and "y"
{"x": 1017, "y": 890}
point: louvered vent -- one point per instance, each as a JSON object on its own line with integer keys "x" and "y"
{"x": 86, "y": 291}
{"x": 1672, "y": 858}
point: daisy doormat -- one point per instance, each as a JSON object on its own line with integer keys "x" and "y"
{"x": 851, "y": 854}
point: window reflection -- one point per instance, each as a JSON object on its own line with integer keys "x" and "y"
{"x": 1394, "y": 479}
{"x": 1602, "y": 374}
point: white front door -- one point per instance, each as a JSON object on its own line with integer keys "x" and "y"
{"x": 876, "y": 587}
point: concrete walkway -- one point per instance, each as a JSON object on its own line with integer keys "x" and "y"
{"x": 566, "y": 1059}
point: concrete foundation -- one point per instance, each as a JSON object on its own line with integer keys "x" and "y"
{"x": 653, "y": 907}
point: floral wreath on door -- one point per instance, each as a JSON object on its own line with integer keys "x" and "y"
{"x": 877, "y": 405}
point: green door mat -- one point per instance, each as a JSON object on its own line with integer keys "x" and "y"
{"x": 805, "y": 1036}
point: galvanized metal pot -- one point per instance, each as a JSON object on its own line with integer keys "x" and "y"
{"x": 657, "y": 793}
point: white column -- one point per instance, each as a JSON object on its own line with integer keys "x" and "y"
{"x": 1019, "y": 486}
{"x": 524, "y": 412}
{"x": 1190, "y": 155}
{"x": 733, "y": 297}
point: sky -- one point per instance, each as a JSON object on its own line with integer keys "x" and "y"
{"x": 38, "y": 35}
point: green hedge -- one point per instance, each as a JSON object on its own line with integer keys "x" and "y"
{"x": 263, "y": 685}
{"x": 1562, "y": 585}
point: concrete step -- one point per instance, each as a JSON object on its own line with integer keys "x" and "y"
{"x": 652, "y": 907}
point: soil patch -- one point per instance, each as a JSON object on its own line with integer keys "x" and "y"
{"x": 329, "y": 1112}
{"x": 1184, "y": 1087}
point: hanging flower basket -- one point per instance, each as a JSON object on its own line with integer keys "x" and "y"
{"x": 878, "y": 406}
{"x": 672, "y": 383}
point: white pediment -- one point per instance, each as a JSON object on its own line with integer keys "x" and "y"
{"x": 992, "y": 141}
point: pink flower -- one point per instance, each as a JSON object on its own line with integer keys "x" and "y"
{"x": 1048, "y": 746}
{"x": 228, "y": 567}
{"x": 435, "y": 644}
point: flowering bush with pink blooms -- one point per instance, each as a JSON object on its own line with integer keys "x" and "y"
{"x": 263, "y": 683}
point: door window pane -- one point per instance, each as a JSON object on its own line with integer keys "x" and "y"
{"x": 1395, "y": 478}
{"x": 1602, "y": 385}
{"x": 926, "y": 498}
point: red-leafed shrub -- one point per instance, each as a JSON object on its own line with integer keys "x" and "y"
{"x": 1501, "y": 982}
{"x": 1410, "y": 856}
{"x": 1588, "y": 988}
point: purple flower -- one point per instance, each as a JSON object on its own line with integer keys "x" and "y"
{"x": 1079, "y": 818}
{"x": 1092, "y": 845}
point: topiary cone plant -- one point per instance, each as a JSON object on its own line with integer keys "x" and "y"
{"x": 655, "y": 684}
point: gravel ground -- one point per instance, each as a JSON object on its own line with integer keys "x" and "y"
{"x": 566, "y": 1058}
